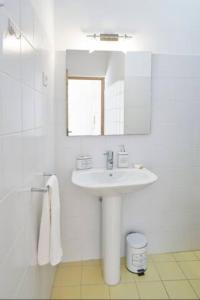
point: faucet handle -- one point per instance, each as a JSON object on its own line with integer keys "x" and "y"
{"x": 106, "y": 153}
{"x": 122, "y": 148}
{"x": 109, "y": 154}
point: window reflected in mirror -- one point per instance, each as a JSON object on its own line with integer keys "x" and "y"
{"x": 85, "y": 104}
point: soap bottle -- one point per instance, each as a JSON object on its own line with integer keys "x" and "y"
{"x": 123, "y": 160}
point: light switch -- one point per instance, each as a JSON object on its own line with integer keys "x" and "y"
{"x": 44, "y": 79}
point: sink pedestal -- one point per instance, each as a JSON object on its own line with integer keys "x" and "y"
{"x": 111, "y": 212}
{"x": 112, "y": 184}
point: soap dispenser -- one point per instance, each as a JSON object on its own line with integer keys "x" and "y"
{"x": 123, "y": 161}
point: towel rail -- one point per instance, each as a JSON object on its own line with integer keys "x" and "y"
{"x": 39, "y": 190}
{"x": 42, "y": 190}
{"x": 48, "y": 174}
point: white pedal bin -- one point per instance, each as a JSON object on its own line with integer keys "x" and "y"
{"x": 136, "y": 253}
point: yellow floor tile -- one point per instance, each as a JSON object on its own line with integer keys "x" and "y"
{"x": 66, "y": 292}
{"x": 152, "y": 290}
{"x": 123, "y": 261}
{"x": 169, "y": 271}
{"x": 196, "y": 286}
{"x": 191, "y": 269}
{"x": 92, "y": 262}
{"x": 150, "y": 275}
{"x": 92, "y": 275}
{"x": 68, "y": 276}
{"x": 70, "y": 264}
{"x": 179, "y": 289}
{"x": 184, "y": 256}
{"x": 163, "y": 257}
{"x": 150, "y": 258}
{"x": 127, "y": 276}
{"x": 197, "y": 253}
{"x": 95, "y": 292}
{"x": 124, "y": 291}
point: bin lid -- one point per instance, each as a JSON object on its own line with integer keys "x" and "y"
{"x": 137, "y": 240}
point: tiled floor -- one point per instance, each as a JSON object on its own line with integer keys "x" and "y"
{"x": 169, "y": 276}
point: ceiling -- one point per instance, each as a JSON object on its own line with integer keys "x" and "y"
{"x": 164, "y": 26}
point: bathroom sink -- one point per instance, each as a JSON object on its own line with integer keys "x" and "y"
{"x": 111, "y": 185}
{"x": 101, "y": 182}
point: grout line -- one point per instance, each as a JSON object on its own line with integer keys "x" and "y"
{"x": 193, "y": 288}
{"x": 137, "y": 289}
{"x": 179, "y": 264}
{"x": 162, "y": 281}
{"x": 81, "y": 279}
{"x": 196, "y": 255}
{"x": 109, "y": 292}
{"x": 136, "y": 283}
{"x": 165, "y": 289}
{"x": 15, "y": 133}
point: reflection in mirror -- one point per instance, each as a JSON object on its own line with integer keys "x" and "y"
{"x": 108, "y": 93}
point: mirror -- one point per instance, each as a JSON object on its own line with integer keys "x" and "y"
{"x": 108, "y": 93}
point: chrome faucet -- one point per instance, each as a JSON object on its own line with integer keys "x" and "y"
{"x": 109, "y": 159}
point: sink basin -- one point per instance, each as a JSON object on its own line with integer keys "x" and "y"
{"x": 110, "y": 185}
{"x": 102, "y": 182}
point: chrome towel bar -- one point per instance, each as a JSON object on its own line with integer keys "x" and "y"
{"x": 48, "y": 175}
{"x": 39, "y": 190}
{"x": 42, "y": 190}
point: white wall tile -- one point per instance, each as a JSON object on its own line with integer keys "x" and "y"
{"x": 10, "y": 105}
{"x": 27, "y": 20}
{"x": 28, "y": 60}
{"x": 13, "y": 9}
{"x": 176, "y": 66}
{"x": 9, "y": 49}
{"x": 28, "y": 108}
{"x": 14, "y": 267}
{"x": 11, "y": 162}
{"x": 40, "y": 109}
{"x": 71, "y": 250}
{"x": 13, "y": 224}
{"x": 29, "y": 155}
{"x": 29, "y": 285}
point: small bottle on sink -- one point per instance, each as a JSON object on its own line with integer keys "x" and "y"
{"x": 84, "y": 162}
{"x": 123, "y": 159}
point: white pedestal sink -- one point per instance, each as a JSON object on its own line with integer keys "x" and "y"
{"x": 111, "y": 185}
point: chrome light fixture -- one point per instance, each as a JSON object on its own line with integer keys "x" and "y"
{"x": 109, "y": 37}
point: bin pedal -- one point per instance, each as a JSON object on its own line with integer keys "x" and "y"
{"x": 141, "y": 272}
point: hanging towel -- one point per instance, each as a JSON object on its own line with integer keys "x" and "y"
{"x": 49, "y": 246}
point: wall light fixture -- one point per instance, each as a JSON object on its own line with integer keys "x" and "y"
{"x": 109, "y": 37}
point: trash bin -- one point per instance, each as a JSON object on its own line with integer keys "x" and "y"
{"x": 136, "y": 253}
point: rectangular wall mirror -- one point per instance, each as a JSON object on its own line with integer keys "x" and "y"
{"x": 108, "y": 93}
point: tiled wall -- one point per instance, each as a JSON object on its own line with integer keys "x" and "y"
{"x": 168, "y": 211}
{"x": 114, "y": 108}
{"x": 26, "y": 143}
{"x": 114, "y": 94}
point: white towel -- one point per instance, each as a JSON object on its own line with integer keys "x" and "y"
{"x": 49, "y": 246}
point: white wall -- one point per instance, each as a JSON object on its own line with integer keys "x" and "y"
{"x": 26, "y": 144}
{"x": 115, "y": 67}
{"x": 83, "y": 63}
{"x": 137, "y": 95}
{"x": 114, "y": 94}
{"x": 168, "y": 211}
{"x": 159, "y": 26}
